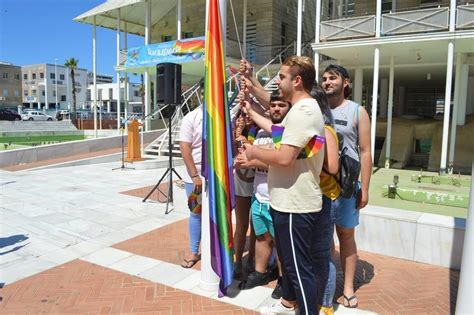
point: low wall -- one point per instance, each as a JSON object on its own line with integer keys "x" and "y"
{"x": 421, "y": 237}
{"x": 45, "y": 152}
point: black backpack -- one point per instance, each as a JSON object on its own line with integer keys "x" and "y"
{"x": 349, "y": 170}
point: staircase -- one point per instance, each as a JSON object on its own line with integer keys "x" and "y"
{"x": 267, "y": 76}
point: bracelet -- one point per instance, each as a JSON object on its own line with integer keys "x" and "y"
{"x": 195, "y": 175}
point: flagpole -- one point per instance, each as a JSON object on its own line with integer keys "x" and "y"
{"x": 209, "y": 279}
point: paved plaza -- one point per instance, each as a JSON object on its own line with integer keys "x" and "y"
{"x": 80, "y": 240}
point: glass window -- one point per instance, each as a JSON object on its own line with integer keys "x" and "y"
{"x": 166, "y": 38}
{"x": 52, "y": 76}
{"x": 25, "y": 92}
{"x": 42, "y": 92}
{"x": 33, "y": 76}
{"x": 63, "y": 98}
{"x": 111, "y": 94}
{"x": 41, "y": 75}
{"x": 17, "y": 76}
{"x": 33, "y": 92}
{"x": 5, "y": 75}
{"x": 25, "y": 76}
{"x": 187, "y": 34}
{"x": 61, "y": 77}
{"x": 16, "y": 93}
{"x": 54, "y": 93}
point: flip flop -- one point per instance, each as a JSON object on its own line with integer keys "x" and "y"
{"x": 348, "y": 300}
{"x": 189, "y": 263}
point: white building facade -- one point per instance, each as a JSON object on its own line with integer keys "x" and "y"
{"x": 49, "y": 86}
{"x": 107, "y": 96}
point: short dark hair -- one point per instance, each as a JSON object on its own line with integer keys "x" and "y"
{"x": 343, "y": 73}
{"x": 304, "y": 67}
{"x": 275, "y": 96}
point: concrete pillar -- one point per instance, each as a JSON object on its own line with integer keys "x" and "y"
{"x": 178, "y": 20}
{"x": 146, "y": 74}
{"x": 462, "y": 98}
{"x": 119, "y": 122}
{"x": 470, "y": 96}
{"x": 317, "y": 33}
{"x": 464, "y": 304}
{"x": 447, "y": 108}
{"x": 383, "y": 97}
{"x": 358, "y": 85}
{"x": 401, "y": 101}
{"x": 94, "y": 73}
{"x": 299, "y": 28}
{"x": 45, "y": 88}
{"x": 378, "y": 18}
{"x": 108, "y": 106}
{"x": 373, "y": 123}
{"x": 388, "y": 138}
{"x": 457, "y": 84}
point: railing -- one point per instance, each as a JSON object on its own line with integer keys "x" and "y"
{"x": 122, "y": 57}
{"x": 465, "y": 17}
{"x": 268, "y": 70}
{"x": 353, "y": 27}
{"x": 415, "y": 21}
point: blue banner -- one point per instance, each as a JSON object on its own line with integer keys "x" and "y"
{"x": 178, "y": 51}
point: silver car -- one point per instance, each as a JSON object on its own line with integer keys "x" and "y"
{"x": 35, "y": 115}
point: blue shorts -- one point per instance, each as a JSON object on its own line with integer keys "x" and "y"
{"x": 344, "y": 212}
{"x": 261, "y": 219}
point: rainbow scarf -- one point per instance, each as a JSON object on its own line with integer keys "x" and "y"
{"x": 194, "y": 203}
{"x": 217, "y": 152}
{"x": 312, "y": 147}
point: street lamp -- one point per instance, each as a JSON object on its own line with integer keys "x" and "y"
{"x": 56, "y": 80}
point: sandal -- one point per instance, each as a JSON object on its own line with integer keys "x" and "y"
{"x": 189, "y": 263}
{"x": 348, "y": 301}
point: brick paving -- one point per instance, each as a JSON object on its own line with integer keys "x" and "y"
{"x": 85, "y": 288}
{"x": 384, "y": 284}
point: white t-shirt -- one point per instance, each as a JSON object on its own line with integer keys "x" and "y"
{"x": 295, "y": 189}
{"x": 191, "y": 131}
{"x": 260, "y": 182}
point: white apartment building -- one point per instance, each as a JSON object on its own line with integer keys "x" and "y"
{"x": 49, "y": 86}
{"x": 107, "y": 95}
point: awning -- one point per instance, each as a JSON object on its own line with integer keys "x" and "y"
{"x": 132, "y": 13}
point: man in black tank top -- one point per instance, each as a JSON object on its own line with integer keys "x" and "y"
{"x": 353, "y": 123}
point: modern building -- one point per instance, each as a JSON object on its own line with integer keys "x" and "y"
{"x": 100, "y": 78}
{"x": 107, "y": 96}
{"x": 410, "y": 60}
{"x": 415, "y": 59}
{"x": 49, "y": 86}
{"x": 10, "y": 85}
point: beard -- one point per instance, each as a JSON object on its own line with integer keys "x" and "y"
{"x": 276, "y": 120}
{"x": 335, "y": 91}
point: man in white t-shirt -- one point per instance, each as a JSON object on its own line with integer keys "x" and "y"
{"x": 190, "y": 143}
{"x": 301, "y": 228}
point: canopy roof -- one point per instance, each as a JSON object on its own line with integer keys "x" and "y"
{"x": 132, "y": 13}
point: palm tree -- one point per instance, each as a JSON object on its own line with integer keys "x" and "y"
{"x": 72, "y": 65}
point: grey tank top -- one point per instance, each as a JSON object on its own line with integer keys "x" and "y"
{"x": 344, "y": 118}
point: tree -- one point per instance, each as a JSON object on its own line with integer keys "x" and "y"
{"x": 142, "y": 93}
{"x": 72, "y": 65}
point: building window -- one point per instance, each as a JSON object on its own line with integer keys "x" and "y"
{"x": 283, "y": 34}
{"x": 17, "y": 76}
{"x": 42, "y": 92}
{"x": 63, "y": 98}
{"x": 136, "y": 93}
{"x": 52, "y": 76}
{"x": 33, "y": 92}
{"x": 16, "y": 93}
{"x": 386, "y": 5}
{"x": 166, "y": 38}
{"x": 5, "y": 92}
{"x": 111, "y": 94}
{"x": 88, "y": 95}
{"x": 41, "y": 75}
{"x": 5, "y": 75}
{"x": 54, "y": 93}
{"x": 61, "y": 77}
{"x": 25, "y": 76}
{"x": 33, "y": 76}
{"x": 187, "y": 35}
{"x": 99, "y": 94}
{"x": 25, "y": 92}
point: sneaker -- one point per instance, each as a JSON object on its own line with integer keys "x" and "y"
{"x": 254, "y": 279}
{"x": 238, "y": 270}
{"x": 272, "y": 272}
{"x": 277, "y": 308}
{"x": 326, "y": 310}
{"x": 277, "y": 292}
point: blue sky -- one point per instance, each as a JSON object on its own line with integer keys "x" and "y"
{"x": 39, "y": 31}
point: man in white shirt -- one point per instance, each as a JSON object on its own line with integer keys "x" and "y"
{"x": 301, "y": 228}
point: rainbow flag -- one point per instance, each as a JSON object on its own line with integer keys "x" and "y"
{"x": 252, "y": 134}
{"x": 312, "y": 147}
{"x": 217, "y": 152}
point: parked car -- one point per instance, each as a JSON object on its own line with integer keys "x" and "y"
{"x": 63, "y": 114}
{"x": 35, "y": 115}
{"x": 6, "y": 114}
